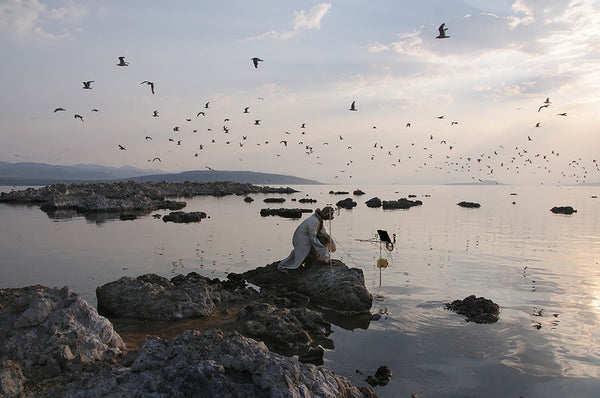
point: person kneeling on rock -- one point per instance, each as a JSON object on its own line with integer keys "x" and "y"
{"x": 311, "y": 241}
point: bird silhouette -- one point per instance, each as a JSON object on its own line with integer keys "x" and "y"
{"x": 176, "y": 128}
{"x": 78, "y": 117}
{"x": 88, "y": 85}
{"x": 59, "y": 110}
{"x": 206, "y": 105}
{"x": 255, "y": 61}
{"x": 283, "y": 142}
{"x": 353, "y": 106}
{"x": 200, "y": 113}
{"x": 157, "y": 159}
{"x": 246, "y": 109}
{"x": 543, "y": 106}
{"x": 94, "y": 110}
{"x": 148, "y": 137}
{"x": 122, "y": 62}
{"x": 442, "y": 29}
{"x": 257, "y": 122}
{"x": 155, "y": 114}
{"x": 562, "y": 114}
{"x": 210, "y": 168}
{"x": 121, "y": 147}
{"x": 151, "y": 84}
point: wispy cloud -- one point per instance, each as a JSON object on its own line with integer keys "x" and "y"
{"x": 25, "y": 19}
{"x": 302, "y": 21}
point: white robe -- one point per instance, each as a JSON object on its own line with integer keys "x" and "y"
{"x": 304, "y": 238}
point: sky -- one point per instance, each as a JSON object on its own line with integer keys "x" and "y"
{"x": 512, "y": 95}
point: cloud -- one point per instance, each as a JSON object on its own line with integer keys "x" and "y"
{"x": 24, "y": 19}
{"x": 302, "y": 21}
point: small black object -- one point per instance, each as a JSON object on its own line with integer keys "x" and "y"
{"x": 383, "y": 235}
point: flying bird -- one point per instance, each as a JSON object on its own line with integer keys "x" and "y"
{"x": 94, "y": 110}
{"x": 200, "y": 113}
{"x": 255, "y": 61}
{"x": 78, "y": 117}
{"x": 121, "y": 147}
{"x": 283, "y": 142}
{"x": 155, "y": 114}
{"x": 59, "y": 109}
{"x": 210, "y": 168}
{"x": 157, "y": 159}
{"x": 88, "y": 85}
{"x": 176, "y": 128}
{"x": 257, "y": 122}
{"x": 442, "y": 29}
{"x": 543, "y": 106}
{"x": 353, "y": 106}
{"x": 148, "y": 137}
{"x": 562, "y": 114}
{"x": 246, "y": 109}
{"x": 122, "y": 62}
{"x": 206, "y": 105}
{"x": 151, "y": 84}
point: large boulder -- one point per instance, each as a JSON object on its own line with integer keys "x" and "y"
{"x": 211, "y": 364}
{"x": 328, "y": 286}
{"x": 49, "y": 331}
{"x": 155, "y": 297}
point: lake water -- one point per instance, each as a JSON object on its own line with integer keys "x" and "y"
{"x": 541, "y": 268}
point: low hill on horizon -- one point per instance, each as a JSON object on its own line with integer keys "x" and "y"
{"x": 31, "y": 173}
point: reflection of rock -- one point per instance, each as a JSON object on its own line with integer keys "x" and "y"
{"x": 347, "y": 203}
{"x": 183, "y": 217}
{"x": 48, "y": 332}
{"x": 563, "y": 210}
{"x": 286, "y": 330}
{"x": 401, "y": 203}
{"x": 469, "y": 204}
{"x": 286, "y": 213}
{"x": 478, "y": 310}
{"x": 212, "y": 364}
{"x": 332, "y": 287}
{"x": 155, "y": 297}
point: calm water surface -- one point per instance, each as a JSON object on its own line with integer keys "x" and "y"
{"x": 542, "y": 269}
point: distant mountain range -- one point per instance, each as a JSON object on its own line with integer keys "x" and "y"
{"x": 28, "y": 173}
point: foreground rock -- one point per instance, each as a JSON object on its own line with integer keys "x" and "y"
{"x": 285, "y": 213}
{"x": 476, "y": 309}
{"x": 127, "y": 196}
{"x": 347, "y": 203}
{"x": 563, "y": 210}
{"x": 211, "y": 364}
{"x": 155, "y": 297}
{"x": 336, "y": 288}
{"x": 48, "y": 332}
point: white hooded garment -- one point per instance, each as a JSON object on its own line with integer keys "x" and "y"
{"x": 304, "y": 238}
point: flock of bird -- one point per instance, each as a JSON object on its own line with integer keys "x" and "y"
{"x": 419, "y": 152}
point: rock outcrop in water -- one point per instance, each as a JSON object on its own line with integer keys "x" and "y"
{"x": 401, "y": 203}
{"x": 285, "y": 213}
{"x": 472, "y": 205}
{"x": 182, "y": 217}
{"x": 563, "y": 210}
{"x": 127, "y": 196}
{"x": 476, "y": 309}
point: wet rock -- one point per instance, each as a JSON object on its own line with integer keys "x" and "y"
{"x": 183, "y": 217}
{"x": 347, "y": 203}
{"x": 358, "y": 192}
{"x": 307, "y": 200}
{"x": 332, "y": 287}
{"x": 50, "y": 331}
{"x": 11, "y": 379}
{"x": 127, "y": 217}
{"x": 381, "y": 377}
{"x": 248, "y": 199}
{"x": 155, "y": 297}
{"x": 274, "y": 200}
{"x": 563, "y": 210}
{"x": 401, "y": 203}
{"x": 211, "y": 364}
{"x": 476, "y": 309}
{"x": 469, "y": 204}
{"x": 374, "y": 202}
{"x": 286, "y": 213}
{"x": 285, "y": 330}
{"x": 338, "y": 192}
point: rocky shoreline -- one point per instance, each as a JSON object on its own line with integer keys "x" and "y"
{"x": 215, "y": 337}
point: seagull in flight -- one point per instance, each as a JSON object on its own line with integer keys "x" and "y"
{"x": 78, "y": 117}
{"x": 210, "y": 168}
{"x": 543, "y": 106}
{"x": 442, "y": 29}
{"x": 353, "y": 106}
{"x": 200, "y": 113}
{"x": 562, "y": 114}
{"x": 155, "y": 114}
{"x": 151, "y": 84}
{"x": 257, "y": 122}
{"x": 157, "y": 159}
{"x": 122, "y": 62}
{"x": 59, "y": 109}
{"x": 206, "y": 105}
{"x": 121, "y": 147}
{"x": 255, "y": 61}
{"x": 88, "y": 85}
{"x": 246, "y": 109}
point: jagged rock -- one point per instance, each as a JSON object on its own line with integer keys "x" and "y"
{"x": 401, "y": 203}
{"x": 286, "y": 213}
{"x": 373, "y": 202}
{"x": 381, "y": 377}
{"x": 211, "y": 364}
{"x": 332, "y": 287}
{"x": 274, "y": 200}
{"x": 358, "y": 192}
{"x": 49, "y": 331}
{"x": 11, "y": 379}
{"x": 347, "y": 203}
{"x": 313, "y": 355}
{"x": 155, "y": 297}
{"x": 563, "y": 210}
{"x": 469, "y": 204}
{"x": 286, "y": 330}
{"x": 476, "y": 309}
{"x": 183, "y": 217}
